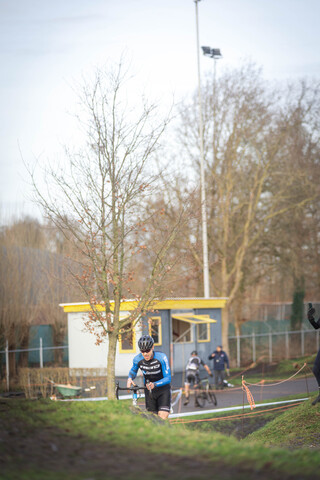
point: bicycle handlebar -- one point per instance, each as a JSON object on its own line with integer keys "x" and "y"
{"x": 133, "y": 388}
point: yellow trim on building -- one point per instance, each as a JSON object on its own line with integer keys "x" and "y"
{"x": 190, "y": 318}
{"x": 168, "y": 304}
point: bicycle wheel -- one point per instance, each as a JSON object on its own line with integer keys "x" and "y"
{"x": 201, "y": 397}
{"x": 212, "y": 397}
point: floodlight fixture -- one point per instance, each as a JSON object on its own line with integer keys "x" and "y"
{"x": 214, "y": 53}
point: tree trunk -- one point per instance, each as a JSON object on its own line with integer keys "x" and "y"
{"x": 24, "y": 356}
{"x": 12, "y": 363}
{"x": 297, "y": 309}
{"x": 225, "y": 329}
{"x": 237, "y": 326}
{"x": 113, "y": 338}
{"x": 58, "y": 357}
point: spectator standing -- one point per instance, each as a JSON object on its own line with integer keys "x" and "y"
{"x": 220, "y": 361}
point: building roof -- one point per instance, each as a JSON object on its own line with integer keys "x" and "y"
{"x": 166, "y": 304}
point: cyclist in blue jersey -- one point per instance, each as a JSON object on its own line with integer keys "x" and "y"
{"x": 157, "y": 377}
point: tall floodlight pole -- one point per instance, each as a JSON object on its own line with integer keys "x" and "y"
{"x": 203, "y": 191}
{"x": 214, "y": 53}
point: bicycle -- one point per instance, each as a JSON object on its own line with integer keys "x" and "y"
{"x": 204, "y": 393}
{"x": 135, "y": 389}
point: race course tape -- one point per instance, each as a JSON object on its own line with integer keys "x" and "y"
{"x": 230, "y": 409}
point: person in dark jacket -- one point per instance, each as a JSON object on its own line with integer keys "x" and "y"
{"x": 316, "y": 366}
{"x": 220, "y": 360}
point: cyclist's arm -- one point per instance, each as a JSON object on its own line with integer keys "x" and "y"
{"x": 311, "y": 312}
{"x": 205, "y": 366}
{"x": 315, "y": 324}
{"x": 166, "y": 380}
{"x": 130, "y": 382}
{"x": 134, "y": 369}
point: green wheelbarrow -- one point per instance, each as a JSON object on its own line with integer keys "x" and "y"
{"x": 70, "y": 390}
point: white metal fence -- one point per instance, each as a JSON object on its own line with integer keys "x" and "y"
{"x": 273, "y": 346}
{"x": 244, "y": 349}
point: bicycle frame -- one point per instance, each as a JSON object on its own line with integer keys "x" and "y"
{"x": 204, "y": 393}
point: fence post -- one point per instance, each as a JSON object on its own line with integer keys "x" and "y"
{"x": 7, "y": 365}
{"x": 302, "y": 342}
{"x": 41, "y": 353}
{"x": 287, "y": 344}
{"x": 253, "y": 347}
{"x": 270, "y": 347}
{"x": 238, "y": 351}
{"x": 317, "y": 339}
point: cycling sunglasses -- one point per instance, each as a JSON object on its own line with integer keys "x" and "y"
{"x": 145, "y": 351}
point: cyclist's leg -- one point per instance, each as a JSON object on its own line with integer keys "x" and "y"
{"x": 196, "y": 390}
{"x": 316, "y": 373}
{"x": 150, "y": 401}
{"x": 316, "y": 368}
{"x": 163, "y": 400}
{"x": 186, "y": 390}
{"x": 162, "y": 414}
{"x": 189, "y": 381}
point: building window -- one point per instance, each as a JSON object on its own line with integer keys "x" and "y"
{"x": 182, "y": 331}
{"x": 155, "y": 329}
{"x": 203, "y": 332}
{"x": 127, "y": 340}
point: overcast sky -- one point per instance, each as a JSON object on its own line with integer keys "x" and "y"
{"x": 47, "y": 46}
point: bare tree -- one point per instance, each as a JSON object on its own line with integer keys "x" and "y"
{"x": 293, "y": 236}
{"x": 247, "y": 130}
{"x": 99, "y": 204}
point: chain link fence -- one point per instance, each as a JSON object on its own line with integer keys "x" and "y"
{"x": 273, "y": 346}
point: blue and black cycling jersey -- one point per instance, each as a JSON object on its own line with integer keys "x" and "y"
{"x": 156, "y": 370}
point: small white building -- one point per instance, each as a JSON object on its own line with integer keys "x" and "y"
{"x": 178, "y": 326}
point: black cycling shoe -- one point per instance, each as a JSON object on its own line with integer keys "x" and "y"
{"x": 186, "y": 402}
{"x": 316, "y": 400}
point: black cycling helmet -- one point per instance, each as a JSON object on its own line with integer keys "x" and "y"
{"x": 145, "y": 343}
{"x": 194, "y": 352}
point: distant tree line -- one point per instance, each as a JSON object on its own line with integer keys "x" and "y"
{"x": 33, "y": 281}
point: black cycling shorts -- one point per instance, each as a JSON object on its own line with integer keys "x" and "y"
{"x": 158, "y": 399}
{"x": 192, "y": 377}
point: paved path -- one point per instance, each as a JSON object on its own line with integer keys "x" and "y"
{"x": 234, "y": 396}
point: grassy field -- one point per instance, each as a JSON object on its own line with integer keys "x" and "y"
{"x": 234, "y": 423}
{"x": 106, "y": 440}
{"x": 276, "y": 371}
{"x": 304, "y": 429}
